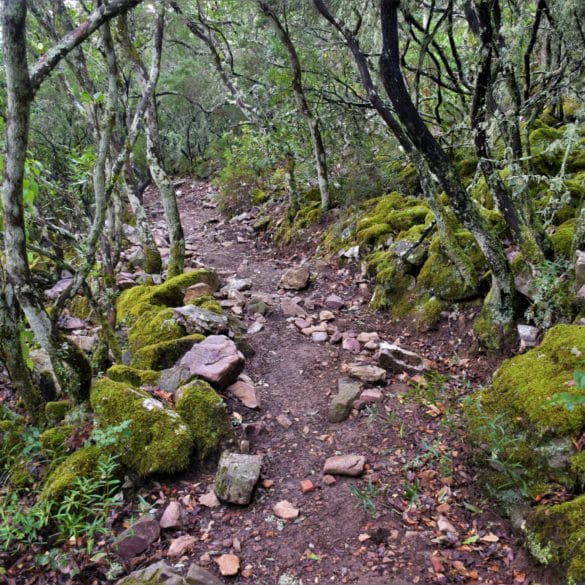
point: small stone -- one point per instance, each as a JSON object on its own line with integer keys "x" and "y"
{"x": 181, "y": 545}
{"x": 295, "y": 278}
{"x": 307, "y": 486}
{"x": 329, "y": 480}
{"x": 302, "y": 323}
{"x": 319, "y": 336}
{"x": 285, "y": 510}
{"x": 351, "y": 344}
{"x": 199, "y": 576}
{"x": 237, "y": 285}
{"x": 352, "y": 465}
{"x": 247, "y": 572}
{"x": 528, "y": 336}
{"x": 209, "y": 500}
{"x": 205, "y": 559}
{"x": 292, "y": 309}
{"x": 348, "y": 391}
{"x": 236, "y": 477}
{"x": 196, "y": 291}
{"x": 267, "y": 483}
{"x": 334, "y": 302}
{"x": 229, "y": 565}
{"x": 284, "y": 421}
{"x": 367, "y": 337}
{"x": 367, "y": 373}
{"x": 158, "y": 572}
{"x": 397, "y": 360}
{"x": 326, "y": 316}
{"x": 194, "y": 319}
{"x": 137, "y": 538}
{"x": 371, "y": 395}
{"x": 171, "y": 517}
{"x": 336, "y": 337}
{"x": 245, "y": 393}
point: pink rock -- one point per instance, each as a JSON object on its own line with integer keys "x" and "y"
{"x": 245, "y": 393}
{"x": 352, "y": 465}
{"x": 182, "y": 545}
{"x": 216, "y": 359}
{"x": 171, "y": 517}
{"x": 285, "y": 510}
{"x": 351, "y": 344}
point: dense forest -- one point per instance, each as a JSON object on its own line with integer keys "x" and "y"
{"x": 191, "y": 187}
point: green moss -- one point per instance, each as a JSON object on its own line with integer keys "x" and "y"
{"x": 428, "y": 313}
{"x": 374, "y": 234}
{"x": 81, "y": 464}
{"x": 79, "y": 307}
{"x": 172, "y": 291}
{"x": 132, "y": 303}
{"x": 578, "y": 468}
{"x": 132, "y": 376}
{"x": 562, "y": 239}
{"x": 165, "y": 354}
{"x": 259, "y": 196}
{"x": 262, "y": 223}
{"x": 154, "y": 326}
{"x": 135, "y": 301}
{"x": 204, "y": 413}
{"x": 557, "y": 534}
{"x": 523, "y": 385}
{"x": 159, "y": 440}
{"x": 53, "y": 440}
{"x": 209, "y": 303}
{"x": 55, "y": 411}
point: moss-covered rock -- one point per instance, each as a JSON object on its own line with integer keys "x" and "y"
{"x": 439, "y": 277}
{"x": 154, "y": 326}
{"x": 209, "y": 303}
{"x": 81, "y": 464}
{"x": 135, "y": 301}
{"x": 556, "y": 536}
{"x": 133, "y": 376}
{"x": 53, "y": 440}
{"x": 204, "y": 413}
{"x": 516, "y": 419}
{"x": 562, "y": 239}
{"x": 427, "y": 312}
{"x": 159, "y": 440}
{"x": 55, "y": 411}
{"x": 165, "y": 354}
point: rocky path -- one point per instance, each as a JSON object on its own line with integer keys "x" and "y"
{"x": 415, "y": 514}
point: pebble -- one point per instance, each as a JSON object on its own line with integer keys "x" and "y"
{"x": 180, "y": 546}
{"x": 229, "y": 565}
{"x": 284, "y": 421}
{"x": 307, "y": 486}
{"x": 285, "y": 510}
{"x": 171, "y": 517}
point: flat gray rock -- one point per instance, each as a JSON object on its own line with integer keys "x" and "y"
{"x": 197, "y": 320}
{"x": 236, "y": 477}
{"x": 156, "y": 574}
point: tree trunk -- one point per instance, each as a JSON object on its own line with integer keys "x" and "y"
{"x": 501, "y": 300}
{"x": 303, "y": 107}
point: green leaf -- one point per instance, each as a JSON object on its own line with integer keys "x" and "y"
{"x": 471, "y": 539}
{"x": 472, "y": 508}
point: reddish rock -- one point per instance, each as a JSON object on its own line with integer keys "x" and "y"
{"x": 245, "y": 393}
{"x": 307, "y": 486}
{"x": 181, "y": 545}
{"x": 171, "y": 517}
{"x": 285, "y": 510}
{"x": 229, "y": 565}
{"x": 334, "y": 302}
{"x": 352, "y": 465}
{"x": 329, "y": 480}
{"x": 137, "y": 538}
{"x": 351, "y": 344}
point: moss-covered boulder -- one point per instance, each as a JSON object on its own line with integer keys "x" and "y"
{"x": 133, "y": 376}
{"x": 562, "y": 239}
{"x": 555, "y": 536}
{"x": 439, "y": 277}
{"x": 54, "y": 440}
{"x": 55, "y": 411}
{"x": 139, "y": 299}
{"x": 159, "y": 440}
{"x": 516, "y": 419}
{"x": 81, "y": 464}
{"x": 165, "y": 354}
{"x": 204, "y": 413}
{"x": 154, "y": 326}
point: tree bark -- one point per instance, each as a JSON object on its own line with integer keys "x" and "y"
{"x": 303, "y": 107}
{"x": 501, "y": 299}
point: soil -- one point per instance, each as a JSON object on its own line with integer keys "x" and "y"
{"x": 419, "y": 468}
{"x": 416, "y": 516}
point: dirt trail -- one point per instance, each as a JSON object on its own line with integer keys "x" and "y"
{"x": 426, "y": 521}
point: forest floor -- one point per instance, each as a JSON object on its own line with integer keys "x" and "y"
{"x": 417, "y": 515}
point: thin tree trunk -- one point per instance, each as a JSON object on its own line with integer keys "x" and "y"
{"x": 303, "y": 107}
{"x": 450, "y": 245}
{"x": 502, "y": 296}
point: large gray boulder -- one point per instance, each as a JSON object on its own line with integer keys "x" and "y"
{"x": 236, "y": 477}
